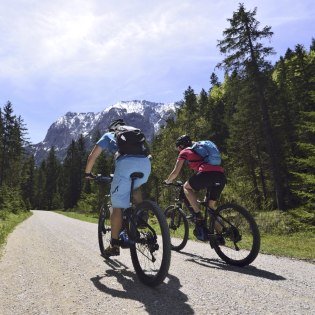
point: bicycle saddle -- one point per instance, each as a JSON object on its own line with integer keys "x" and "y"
{"x": 136, "y": 175}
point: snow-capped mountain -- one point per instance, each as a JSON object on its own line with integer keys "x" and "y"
{"x": 148, "y": 116}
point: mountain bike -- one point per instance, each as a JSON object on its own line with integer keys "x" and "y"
{"x": 144, "y": 232}
{"x": 230, "y": 229}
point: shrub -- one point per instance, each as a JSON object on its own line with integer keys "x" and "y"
{"x": 11, "y": 200}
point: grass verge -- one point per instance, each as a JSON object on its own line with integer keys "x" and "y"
{"x": 10, "y": 222}
{"x": 297, "y": 245}
{"x": 88, "y": 217}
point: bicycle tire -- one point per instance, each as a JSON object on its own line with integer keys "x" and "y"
{"x": 243, "y": 234}
{"x": 104, "y": 229}
{"x": 176, "y": 220}
{"x": 141, "y": 255}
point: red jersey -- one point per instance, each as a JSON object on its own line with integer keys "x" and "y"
{"x": 196, "y": 163}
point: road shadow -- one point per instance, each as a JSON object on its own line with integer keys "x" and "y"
{"x": 158, "y": 300}
{"x": 219, "y": 264}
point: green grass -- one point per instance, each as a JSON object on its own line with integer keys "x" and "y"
{"x": 298, "y": 245}
{"x": 295, "y": 245}
{"x": 8, "y": 224}
{"x": 88, "y": 217}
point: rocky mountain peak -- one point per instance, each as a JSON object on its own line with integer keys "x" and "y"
{"x": 146, "y": 115}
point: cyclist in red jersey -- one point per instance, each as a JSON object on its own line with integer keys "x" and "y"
{"x": 206, "y": 176}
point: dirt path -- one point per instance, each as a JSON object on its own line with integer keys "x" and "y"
{"x": 51, "y": 265}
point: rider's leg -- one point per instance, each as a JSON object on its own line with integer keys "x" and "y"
{"x": 116, "y": 222}
{"x": 195, "y": 183}
{"x": 120, "y": 190}
{"x": 192, "y": 198}
{"x": 218, "y": 181}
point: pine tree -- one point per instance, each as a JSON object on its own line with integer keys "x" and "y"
{"x": 203, "y": 102}
{"x": 300, "y": 76}
{"x": 245, "y": 147}
{"x": 214, "y": 80}
{"x": 40, "y": 185}
{"x": 52, "y": 174}
{"x": 303, "y": 173}
{"x": 288, "y": 54}
{"x": 1, "y": 147}
{"x": 215, "y": 116}
{"x": 73, "y": 173}
{"x": 82, "y": 157}
{"x": 189, "y": 111}
{"x": 294, "y": 77}
{"x": 246, "y": 54}
{"x": 8, "y": 126}
{"x": 28, "y": 182}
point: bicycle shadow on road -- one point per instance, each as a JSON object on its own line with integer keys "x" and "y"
{"x": 219, "y": 264}
{"x": 158, "y": 300}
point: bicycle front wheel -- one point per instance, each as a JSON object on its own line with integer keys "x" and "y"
{"x": 178, "y": 227}
{"x": 151, "y": 253}
{"x": 234, "y": 235}
{"x": 104, "y": 228}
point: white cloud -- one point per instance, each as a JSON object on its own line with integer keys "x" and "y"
{"x": 67, "y": 54}
{"x": 86, "y": 37}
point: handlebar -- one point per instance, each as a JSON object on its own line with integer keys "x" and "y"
{"x": 102, "y": 179}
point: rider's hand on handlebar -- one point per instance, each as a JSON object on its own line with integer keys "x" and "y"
{"x": 89, "y": 175}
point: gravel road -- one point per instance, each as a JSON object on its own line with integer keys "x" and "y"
{"x": 51, "y": 265}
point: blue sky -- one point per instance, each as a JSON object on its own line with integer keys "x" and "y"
{"x": 78, "y": 55}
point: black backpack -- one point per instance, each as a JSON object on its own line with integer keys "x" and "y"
{"x": 130, "y": 140}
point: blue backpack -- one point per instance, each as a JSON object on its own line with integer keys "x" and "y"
{"x": 208, "y": 151}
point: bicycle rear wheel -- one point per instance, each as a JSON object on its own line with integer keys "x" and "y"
{"x": 234, "y": 235}
{"x": 104, "y": 228}
{"x": 151, "y": 254}
{"x": 178, "y": 227}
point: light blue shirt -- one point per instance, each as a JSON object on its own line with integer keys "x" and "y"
{"x": 107, "y": 142}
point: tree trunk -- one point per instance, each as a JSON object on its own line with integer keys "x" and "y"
{"x": 275, "y": 167}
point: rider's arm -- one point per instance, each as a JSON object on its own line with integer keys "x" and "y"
{"x": 96, "y": 151}
{"x": 178, "y": 166}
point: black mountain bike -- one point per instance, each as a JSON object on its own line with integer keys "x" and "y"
{"x": 230, "y": 229}
{"x": 144, "y": 232}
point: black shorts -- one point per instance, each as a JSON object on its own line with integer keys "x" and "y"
{"x": 214, "y": 182}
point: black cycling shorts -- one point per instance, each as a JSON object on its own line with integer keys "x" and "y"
{"x": 214, "y": 182}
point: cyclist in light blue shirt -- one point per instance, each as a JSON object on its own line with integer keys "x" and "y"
{"x": 107, "y": 142}
{"x": 125, "y": 165}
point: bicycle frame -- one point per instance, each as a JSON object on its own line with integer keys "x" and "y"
{"x": 179, "y": 203}
{"x": 150, "y": 260}
{"x": 129, "y": 218}
{"x": 210, "y": 213}
{"x": 223, "y": 228}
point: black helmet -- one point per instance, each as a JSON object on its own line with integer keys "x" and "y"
{"x": 183, "y": 141}
{"x": 115, "y": 123}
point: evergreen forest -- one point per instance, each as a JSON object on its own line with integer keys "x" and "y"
{"x": 261, "y": 116}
